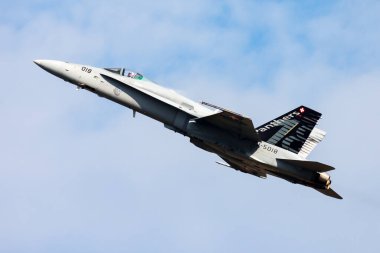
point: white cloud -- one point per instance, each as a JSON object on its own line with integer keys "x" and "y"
{"x": 79, "y": 172}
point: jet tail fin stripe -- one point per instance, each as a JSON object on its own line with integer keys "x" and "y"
{"x": 315, "y": 137}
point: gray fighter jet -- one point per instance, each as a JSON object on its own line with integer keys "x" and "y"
{"x": 278, "y": 148}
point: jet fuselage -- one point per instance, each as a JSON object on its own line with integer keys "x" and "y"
{"x": 241, "y": 148}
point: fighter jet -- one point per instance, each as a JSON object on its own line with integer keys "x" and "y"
{"x": 278, "y": 148}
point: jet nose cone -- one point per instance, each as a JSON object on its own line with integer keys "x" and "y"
{"x": 38, "y": 62}
{"x": 44, "y": 63}
{"x": 51, "y": 66}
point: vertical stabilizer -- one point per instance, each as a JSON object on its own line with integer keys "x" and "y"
{"x": 292, "y": 130}
{"x": 315, "y": 137}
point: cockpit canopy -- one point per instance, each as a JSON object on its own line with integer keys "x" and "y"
{"x": 123, "y": 72}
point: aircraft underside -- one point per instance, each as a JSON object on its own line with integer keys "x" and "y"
{"x": 247, "y": 164}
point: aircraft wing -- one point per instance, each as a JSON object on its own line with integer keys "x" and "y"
{"x": 233, "y": 123}
{"x": 124, "y": 87}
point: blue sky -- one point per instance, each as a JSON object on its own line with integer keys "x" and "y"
{"x": 79, "y": 174}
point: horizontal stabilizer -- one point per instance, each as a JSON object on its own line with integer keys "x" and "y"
{"x": 309, "y": 165}
{"x": 330, "y": 192}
